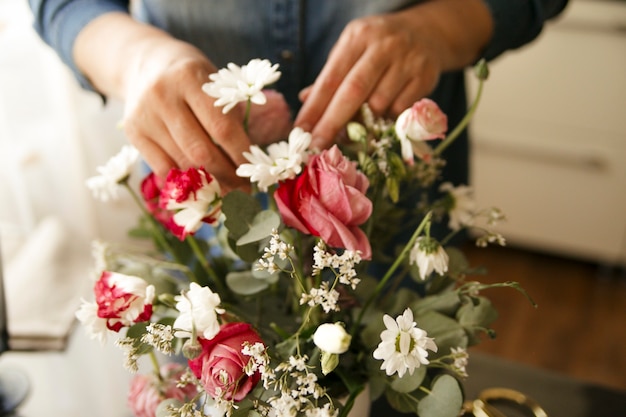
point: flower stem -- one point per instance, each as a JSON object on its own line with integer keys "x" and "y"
{"x": 155, "y": 365}
{"x": 407, "y": 248}
{"x": 156, "y": 230}
{"x": 463, "y": 123}
{"x": 200, "y": 256}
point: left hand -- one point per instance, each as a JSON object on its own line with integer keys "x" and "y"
{"x": 390, "y": 61}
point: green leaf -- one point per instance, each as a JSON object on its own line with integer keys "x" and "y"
{"x": 446, "y": 303}
{"x": 447, "y": 332}
{"x": 444, "y": 400}
{"x": 240, "y": 209}
{"x": 479, "y": 313}
{"x": 404, "y": 403}
{"x": 261, "y": 227}
{"x": 244, "y": 283}
{"x": 409, "y": 383}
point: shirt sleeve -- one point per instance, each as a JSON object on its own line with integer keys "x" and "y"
{"x": 58, "y": 23}
{"x": 517, "y": 22}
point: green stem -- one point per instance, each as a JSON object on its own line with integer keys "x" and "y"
{"x": 463, "y": 123}
{"x": 200, "y": 256}
{"x": 155, "y": 365}
{"x": 391, "y": 270}
{"x": 246, "y": 118}
{"x": 156, "y": 230}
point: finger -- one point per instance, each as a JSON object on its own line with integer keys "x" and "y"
{"x": 157, "y": 159}
{"x": 418, "y": 87}
{"x": 349, "y": 97}
{"x": 340, "y": 62}
{"x": 389, "y": 87}
{"x": 304, "y": 94}
{"x": 200, "y": 149}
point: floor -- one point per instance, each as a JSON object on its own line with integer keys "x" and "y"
{"x": 579, "y": 325}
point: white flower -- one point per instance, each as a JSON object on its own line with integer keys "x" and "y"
{"x": 106, "y": 185}
{"x": 462, "y": 206}
{"x": 234, "y": 84}
{"x": 460, "y": 357}
{"x": 332, "y": 338}
{"x": 95, "y": 326}
{"x": 429, "y": 256}
{"x": 198, "y": 309}
{"x": 283, "y": 160}
{"x": 403, "y": 346}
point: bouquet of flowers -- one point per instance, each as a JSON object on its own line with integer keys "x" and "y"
{"x": 295, "y": 299}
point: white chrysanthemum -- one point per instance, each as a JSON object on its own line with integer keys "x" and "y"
{"x": 462, "y": 205}
{"x": 332, "y": 338}
{"x": 235, "y": 84}
{"x": 106, "y": 185}
{"x": 404, "y": 346}
{"x": 95, "y": 326}
{"x": 198, "y": 309}
{"x": 282, "y": 161}
{"x": 429, "y": 256}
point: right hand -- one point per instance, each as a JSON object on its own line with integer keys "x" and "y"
{"x": 172, "y": 122}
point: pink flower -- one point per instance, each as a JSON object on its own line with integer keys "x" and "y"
{"x": 220, "y": 366}
{"x": 151, "y": 192}
{"x": 423, "y": 121}
{"x": 270, "y": 122}
{"x": 195, "y": 198}
{"x": 147, "y": 392}
{"x": 328, "y": 200}
{"x": 123, "y": 299}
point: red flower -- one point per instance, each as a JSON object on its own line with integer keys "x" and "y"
{"x": 220, "y": 366}
{"x": 328, "y": 200}
{"x": 151, "y": 192}
{"x": 123, "y": 299}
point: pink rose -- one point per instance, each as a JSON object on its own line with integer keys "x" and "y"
{"x": 151, "y": 192}
{"x": 220, "y": 366}
{"x": 195, "y": 198}
{"x": 423, "y": 121}
{"x": 123, "y": 299}
{"x": 328, "y": 200}
{"x": 270, "y": 122}
{"x": 147, "y": 392}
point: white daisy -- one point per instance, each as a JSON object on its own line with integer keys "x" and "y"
{"x": 234, "y": 84}
{"x": 282, "y": 161}
{"x": 461, "y": 207}
{"x": 403, "y": 345}
{"x": 198, "y": 309}
{"x": 106, "y": 185}
{"x": 429, "y": 256}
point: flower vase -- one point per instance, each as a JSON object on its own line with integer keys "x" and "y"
{"x": 362, "y": 404}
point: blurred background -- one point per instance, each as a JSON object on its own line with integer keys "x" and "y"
{"x": 549, "y": 145}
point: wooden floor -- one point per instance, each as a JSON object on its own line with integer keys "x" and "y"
{"x": 579, "y": 326}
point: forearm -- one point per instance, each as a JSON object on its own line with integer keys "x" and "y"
{"x": 461, "y": 28}
{"x": 111, "y": 50}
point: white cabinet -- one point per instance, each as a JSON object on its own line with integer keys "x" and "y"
{"x": 549, "y": 137}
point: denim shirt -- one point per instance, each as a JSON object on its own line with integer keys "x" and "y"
{"x": 297, "y": 34}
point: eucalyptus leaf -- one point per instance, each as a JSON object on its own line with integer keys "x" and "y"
{"x": 162, "y": 408}
{"x": 404, "y": 403}
{"x": 244, "y": 283}
{"x": 446, "y": 303}
{"x": 444, "y": 400}
{"x": 261, "y": 227}
{"x": 447, "y": 332}
{"x": 240, "y": 209}
{"x": 479, "y": 313}
{"x": 409, "y": 383}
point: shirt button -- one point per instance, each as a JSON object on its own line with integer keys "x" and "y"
{"x": 286, "y": 54}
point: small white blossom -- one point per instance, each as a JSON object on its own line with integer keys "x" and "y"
{"x": 325, "y": 411}
{"x": 235, "y": 84}
{"x": 105, "y": 186}
{"x": 282, "y": 161}
{"x": 332, "y": 338}
{"x": 462, "y": 205}
{"x": 160, "y": 337}
{"x": 131, "y": 354}
{"x": 429, "y": 256}
{"x": 198, "y": 309}
{"x": 323, "y": 296}
{"x": 460, "y": 357}
{"x": 403, "y": 345}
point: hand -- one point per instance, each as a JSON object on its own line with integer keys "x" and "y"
{"x": 390, "y": 61}
{"x": 167, "y": 116}
{"x": 173, "y": 123}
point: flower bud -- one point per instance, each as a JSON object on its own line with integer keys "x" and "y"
{"x": 329, "y": 362}
{"x": 356, "y": 132}
{"x": 192, "y": 349}
{"x": 332, "y": 338}
{"x": 481, "y": 70}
